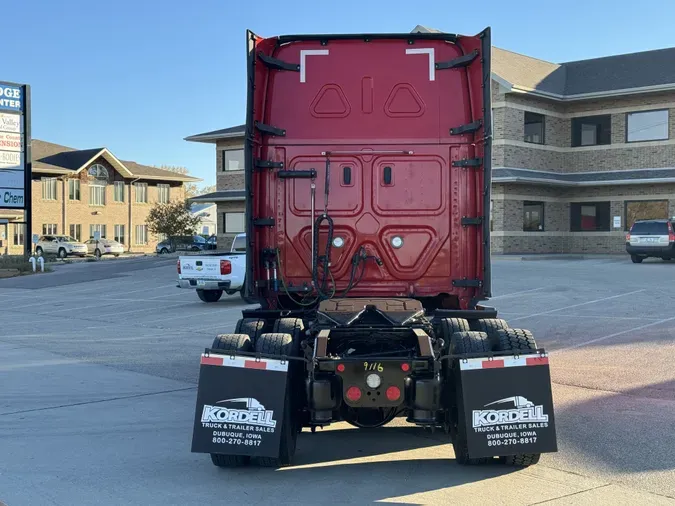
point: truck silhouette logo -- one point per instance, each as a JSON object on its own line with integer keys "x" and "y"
{"x": 251, "y": 403}
{"x": 518, "y": 402}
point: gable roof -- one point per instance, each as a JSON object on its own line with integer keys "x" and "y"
{"x": 54, "y": 158}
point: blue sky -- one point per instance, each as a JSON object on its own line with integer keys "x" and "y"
{"x": 138, "y": 76}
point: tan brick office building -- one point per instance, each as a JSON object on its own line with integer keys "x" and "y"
{"x": 79, "y": 192}
{"x": 581, "y": 150}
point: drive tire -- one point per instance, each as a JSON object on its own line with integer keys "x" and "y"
{"x": 515, "y": 340}
{"x": 491, "y": 326}
{"x": 636, "y": 259}
{"x": 210, "y": 295}
{"x": 281, "y": 344}
{"x": 460, "y": 343}
{"x": 448, "y": 326}
{"x": 252, "y": 327}
{"x": 292, "y": 326}
{"x": 231, "y": 342}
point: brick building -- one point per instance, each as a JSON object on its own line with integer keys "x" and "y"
{"x": 580, "y": 151}
{"x": 79, "y": 192}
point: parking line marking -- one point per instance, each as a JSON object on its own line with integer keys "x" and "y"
{"x": 576, "y": 305}
{"x": 616, "y": 334}
{"x": 590, "y": 316}
{"x": 191, "y": 315}
{"x": 518, "y": 293}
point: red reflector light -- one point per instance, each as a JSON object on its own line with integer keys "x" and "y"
{"x": 393, "y": 393}
{"x": 341, "y": 368}
{"x": 178, "y": 266}
{"x": 405, "y": 367}
{"x": 671, "y": 236}
{"x": 628, "y": 237}
{"x": 354, "y": 393}
{"x": 225, "y": 267}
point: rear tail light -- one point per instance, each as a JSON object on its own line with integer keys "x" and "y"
{"x": 393, "y": 393}
{"x": 405, "y": 367}
{"x": 225, "y": 267}
{"x": 671, "y": 236}
{"x": 353, "y": 394}
{"x": 178, "y": 266}
{"x": 628, "y": 237}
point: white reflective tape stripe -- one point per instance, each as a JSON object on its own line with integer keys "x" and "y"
{"x": 432, "y": 60}
{"x": 509, "y": 361}
{"x": 239, "y": 361}
{"x": 309, "y": 52}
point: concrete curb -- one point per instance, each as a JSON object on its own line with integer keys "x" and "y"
{"x": 560, "y": 256}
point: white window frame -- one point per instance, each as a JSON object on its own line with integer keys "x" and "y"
{"x": 75, "y": 230}
{"x": 116, "y": 187}
{"x": 49, "y": 188}
{"x": 19, "y": 235}
{"x": 637, "y": 114}
{"x": 98, "y": 227}
{"x": 118, "y": 229}
{"x": 229, "y": 217}
{"x": 141, "y": 235}
{"x": 97, "y": 194}
{"x": 224, "y": 154}
{"x": 141, "y": 196}
{"x": 50, "y": 229}
{"x": 74, "y": 189}
{"x": 161, "y": 197}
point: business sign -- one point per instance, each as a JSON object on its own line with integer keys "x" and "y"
{"x": 14, "y": 134}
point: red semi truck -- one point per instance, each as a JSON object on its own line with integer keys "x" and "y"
{"x": 368, "y": 249}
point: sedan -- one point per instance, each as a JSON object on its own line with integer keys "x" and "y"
{"x": 102, "y": 247}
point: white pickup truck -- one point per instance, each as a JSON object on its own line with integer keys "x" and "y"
{"x": 211, "y": 275}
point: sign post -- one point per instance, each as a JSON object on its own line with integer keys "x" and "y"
{"x": 15, "y": 152}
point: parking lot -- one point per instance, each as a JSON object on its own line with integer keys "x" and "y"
{"x": 99, "y": 364}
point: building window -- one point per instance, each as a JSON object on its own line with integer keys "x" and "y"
{"x": 645, "y": 210}
{"x": 233, "y": 159}
{"x": 534, "y": 127}
{"x": 49, "y": 229}
{"x": 239, "y": 244}
{"x": 19, "y": 234}
{"x": 647, "y": 126}
{"x": 533, "y": 216}
{"x": 119, "y": 233}
{"x": 48, "y": 188}
{"x": 592, "y": 130}
{"x": 97, "y": 228}
{"x": 163, "y": 193}
{"x": 141, "y": 235}
{"x": 74, "y": 189}
{"x": 233, "y": 223}
{"x": 589, "y": 217}
{"x": 96, "y": 194}
{"x": 119, "y": 191}
{"x": 141, "y": 193}
{"x": 76, "y": 232}
{"x": 99, "y": 172}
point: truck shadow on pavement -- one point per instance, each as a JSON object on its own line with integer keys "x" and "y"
{"x": 382, "y": 463}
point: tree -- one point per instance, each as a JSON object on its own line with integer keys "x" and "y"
{"x": 172, "y": 219}
{"x": 191, "y": 189}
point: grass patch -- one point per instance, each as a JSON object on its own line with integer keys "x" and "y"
{"x": 20, "y": 263}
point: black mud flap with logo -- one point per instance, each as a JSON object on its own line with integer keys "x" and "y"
{"x": 240, "y": 406}
{"x": 508, "y": 405}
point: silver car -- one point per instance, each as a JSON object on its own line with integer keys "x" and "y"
{"x": 101, "y": 247}
{"x": 60, "y": 245}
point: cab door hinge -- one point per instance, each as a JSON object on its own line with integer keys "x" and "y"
{"x": 466, "y": 221}
{"x": 269, "y": 129}
{"x": 263, "y": 222}
{"x": 468, "y": 128}
{"x": 467, "y": 283}
{"x": 468, "y": 162}
{"x": 462, "y": 61}
{"x": 268, "y": 164}
{"x": 276, "y": 64}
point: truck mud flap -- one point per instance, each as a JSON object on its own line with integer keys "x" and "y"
{"x": 240, "y": 405}
{"x": 507, "y": 405}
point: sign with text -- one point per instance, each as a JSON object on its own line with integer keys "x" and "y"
{"x": 14, "y": 135}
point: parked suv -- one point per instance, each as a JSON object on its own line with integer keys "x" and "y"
{"x": 651, "y": 238}
{"x": 61, "y": 245}
{"x": 182, "y": 243}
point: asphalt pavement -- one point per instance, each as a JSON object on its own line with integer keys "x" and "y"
{"x": 99, "y": 362}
